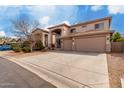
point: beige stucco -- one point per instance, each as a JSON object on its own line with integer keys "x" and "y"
{"x": 39, "y": 34}
{"x": 90, "y": 26}
{"x": 67, "y": 44}
{"x": 98, "y": 42}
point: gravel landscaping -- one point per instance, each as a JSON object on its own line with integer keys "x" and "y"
{"x": 20, "y": 54}
{"x": 116, "y": 69}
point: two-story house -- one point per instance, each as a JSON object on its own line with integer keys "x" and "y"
{"x": 92, "y": 36}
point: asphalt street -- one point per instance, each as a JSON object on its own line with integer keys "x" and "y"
{"x": 15, "y": 76}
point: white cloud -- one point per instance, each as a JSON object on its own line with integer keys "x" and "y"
{"x": 40, "y": 10}
{"x": 114, "y": 9}
{"x": 96, "y": 7}
{"x": 66, "y": 22}
{"x": 2, "y": 33}
{"x": 15, "y": 37}
{"x": 44, "y": 20}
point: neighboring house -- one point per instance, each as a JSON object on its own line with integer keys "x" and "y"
{"x": 10, "y": 41}
{"x": 20, "y": 40}
{"x": 92, "y": 36}
{"x": 2, "y": 42}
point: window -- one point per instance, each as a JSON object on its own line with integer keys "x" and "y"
{"x": 72, "y": 30}
{"x": 83, "y": 26}
{"x": 99, "y": 26}
{"x": 46, "y": 40}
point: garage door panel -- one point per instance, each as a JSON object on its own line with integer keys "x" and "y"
{"x": 67, "y": 44}
{"x": 95, "y": 44}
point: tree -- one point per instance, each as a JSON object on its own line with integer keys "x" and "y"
{"x": 116, "y": 36}
{"x": 23, "y": 27}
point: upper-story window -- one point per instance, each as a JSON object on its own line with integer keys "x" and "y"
{"x": 72, "y": 30}
{"x": 99, "y": 26}
{"x": 84, "y": 27}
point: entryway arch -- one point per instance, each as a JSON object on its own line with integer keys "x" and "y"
{"x": 56, "y": 34}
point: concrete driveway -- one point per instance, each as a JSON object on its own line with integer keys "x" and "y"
{"x": 85, "y": 68}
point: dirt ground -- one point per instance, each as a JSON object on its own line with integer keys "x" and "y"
{"x": 116, "y": 69}
{"x": 20, "y": 54}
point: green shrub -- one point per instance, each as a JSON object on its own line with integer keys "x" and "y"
{"x": 17, "y": 49}
{"x": 116, "y": 36}
{"x": 13, "y": 45}
{"x": 39, "y": 45}
{"x": 16, "y": 45}
{"x": 120, "y": 40}
{"x": 26, "y": 49}
{"x": 26, "y": 44}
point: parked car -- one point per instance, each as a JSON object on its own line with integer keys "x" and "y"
{"x": 5, "y": 47}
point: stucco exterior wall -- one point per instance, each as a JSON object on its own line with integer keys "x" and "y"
{"x": 90, "y": 43}
{"x": 67, "y": 44}
{"x": 40, "y": 35}
{"x": 64, "y": 30}
{"x": 91, "y": 26}
{"x": 37, "y": 35}
{"x": 84, "y": 38}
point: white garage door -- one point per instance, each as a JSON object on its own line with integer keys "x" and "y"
{"x": 67, "y": 44}
{"x": 94, "y": 44}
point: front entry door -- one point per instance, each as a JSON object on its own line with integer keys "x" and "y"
{"x": 58, "y": 43}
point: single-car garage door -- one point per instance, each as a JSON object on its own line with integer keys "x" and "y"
{"x": 67, "y": 44}
{"x": 91, "y": 44}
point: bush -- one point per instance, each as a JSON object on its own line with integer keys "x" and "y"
{"x": 17, "y": 49}
{"x": 116, "y": 36}
{"x": 120, "y": 40}
{"x": 26, "y": 44}
{"x": 26, "y": 49}
{"x": 16, "y": 45}
{"x": 39, "y": 45}
{"x": 13, "y": 45}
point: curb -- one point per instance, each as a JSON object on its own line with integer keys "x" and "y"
{"x": 51, "y": 77}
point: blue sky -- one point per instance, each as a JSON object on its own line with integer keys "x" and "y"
{"x": 51, "y": 15}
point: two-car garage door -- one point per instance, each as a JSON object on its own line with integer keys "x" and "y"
{"x": 90, "y": 44}
{"x": 95, "y": 44}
